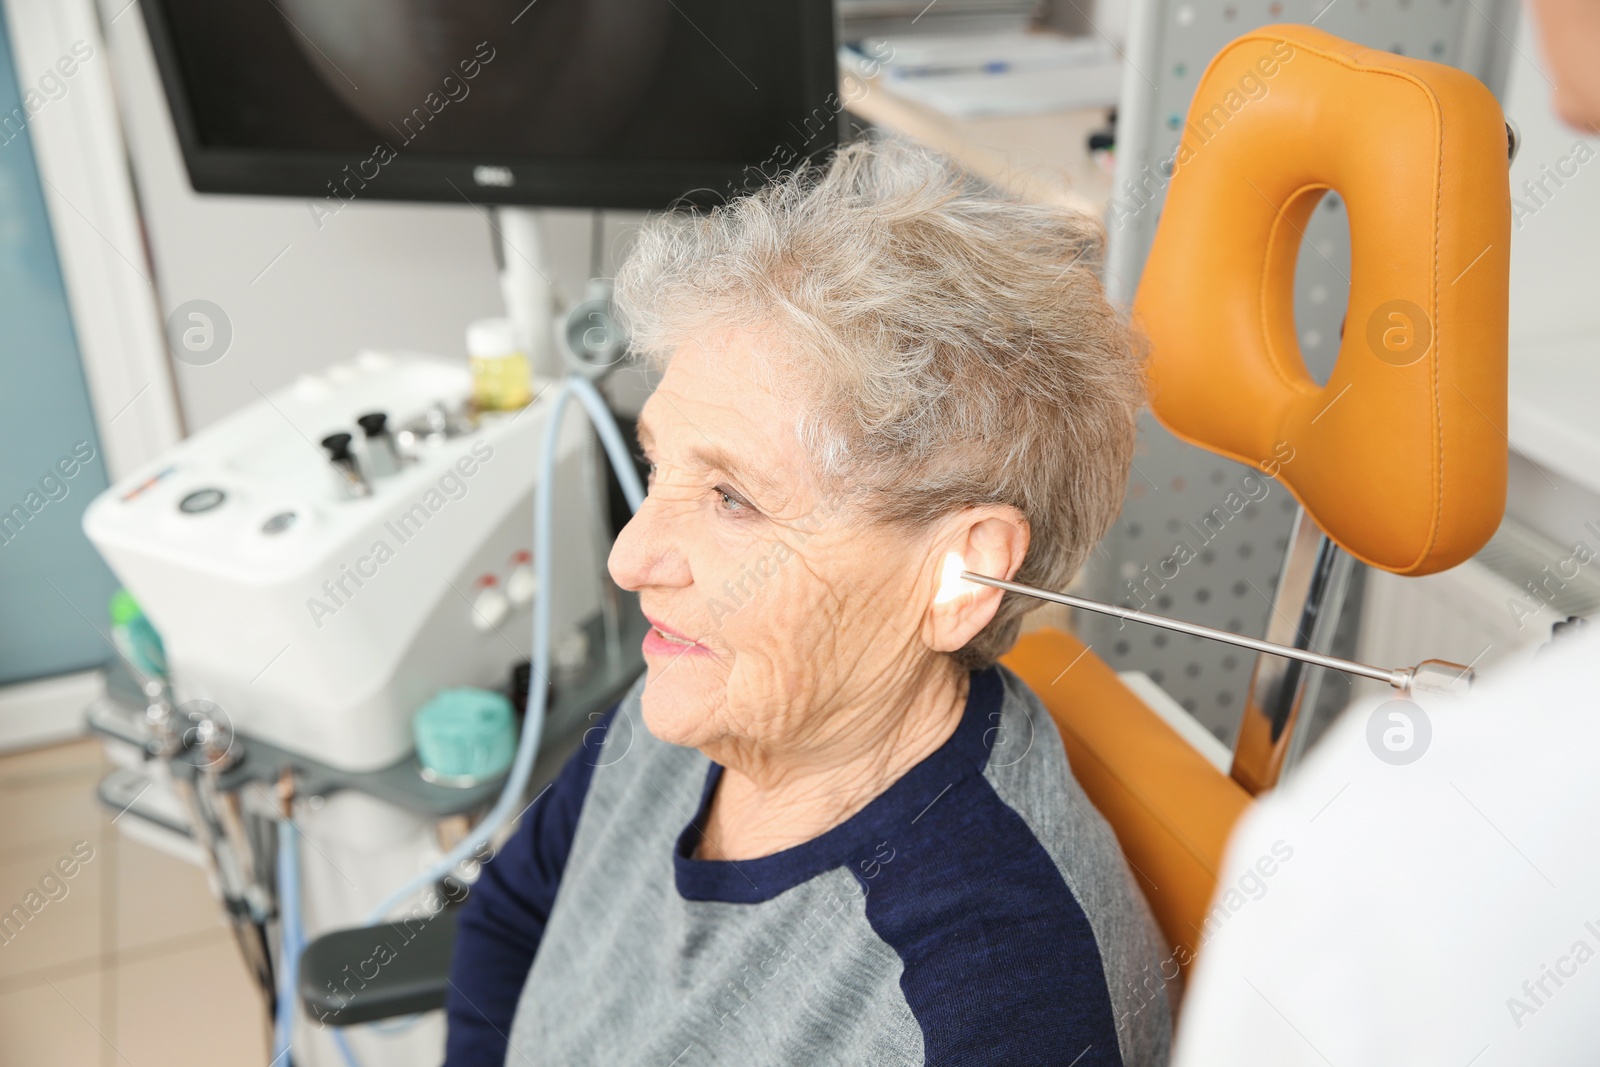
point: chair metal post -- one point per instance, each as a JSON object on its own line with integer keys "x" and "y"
{"x": 1305, "y": 613}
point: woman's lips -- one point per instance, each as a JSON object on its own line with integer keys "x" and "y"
{"x": 665, "y": 641}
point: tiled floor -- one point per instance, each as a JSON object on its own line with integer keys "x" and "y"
{"x": 127, "y": 962}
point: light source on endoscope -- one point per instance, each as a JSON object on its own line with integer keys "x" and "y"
{"x": 950, "y": 575}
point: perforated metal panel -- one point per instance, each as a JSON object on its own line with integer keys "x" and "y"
{"x": 1202, "y": 538}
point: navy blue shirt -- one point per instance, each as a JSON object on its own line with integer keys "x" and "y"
{"x": 944, "y": 923}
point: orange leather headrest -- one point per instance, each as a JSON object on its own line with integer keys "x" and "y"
{"x": 1401, "y": 457}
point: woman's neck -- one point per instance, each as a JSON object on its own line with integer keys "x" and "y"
{"x": 771, "y": 798}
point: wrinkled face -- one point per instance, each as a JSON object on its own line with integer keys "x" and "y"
{"x": 773, "y": 602}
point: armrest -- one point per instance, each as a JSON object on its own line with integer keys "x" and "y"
{"x": 366, "y": 973}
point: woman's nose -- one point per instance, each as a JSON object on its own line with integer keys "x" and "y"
{"x": 645, "y": 553}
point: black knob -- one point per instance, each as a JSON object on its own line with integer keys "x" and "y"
{"x": 338, "y": 446}
{"x": 373, "y": 424}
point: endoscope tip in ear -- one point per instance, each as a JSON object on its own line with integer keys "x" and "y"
{"x": 951, "y": 584}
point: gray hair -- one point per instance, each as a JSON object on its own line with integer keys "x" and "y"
{"x": 954, "y": 344}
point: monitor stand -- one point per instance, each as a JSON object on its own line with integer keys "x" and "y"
{"x": 526, "y": 284}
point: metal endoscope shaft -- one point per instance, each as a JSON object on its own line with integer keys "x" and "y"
{"x": 1400, "y": 679}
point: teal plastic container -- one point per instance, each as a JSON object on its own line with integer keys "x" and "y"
{"x": 465, "y": 736}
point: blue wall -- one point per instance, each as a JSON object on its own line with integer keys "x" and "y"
{"x": 52, "y": 582}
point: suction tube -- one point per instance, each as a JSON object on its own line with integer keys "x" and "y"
{"x": 294, "y": 943}
{"x": 510, "y": 804}
{"x": 292, "y": 935}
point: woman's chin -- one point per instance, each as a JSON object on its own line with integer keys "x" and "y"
{"x": 676, "y": 707}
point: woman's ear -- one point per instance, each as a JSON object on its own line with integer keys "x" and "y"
{"x": 990, "y": 540}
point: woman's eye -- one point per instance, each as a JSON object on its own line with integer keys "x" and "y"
{"x": 728, "y": 501}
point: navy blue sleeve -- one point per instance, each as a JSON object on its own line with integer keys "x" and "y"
{"x": 1001, "y": 965}
{"x": 504, "y": 916}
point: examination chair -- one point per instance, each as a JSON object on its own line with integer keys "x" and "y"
{"x": 1399, "y": 460}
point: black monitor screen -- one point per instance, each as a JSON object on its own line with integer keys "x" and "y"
{"x": 612, "y": 103}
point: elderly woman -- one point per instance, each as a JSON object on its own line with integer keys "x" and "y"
{"x": 827, "y": 827}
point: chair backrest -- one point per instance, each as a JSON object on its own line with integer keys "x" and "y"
{"x": 1400, "y": 457}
